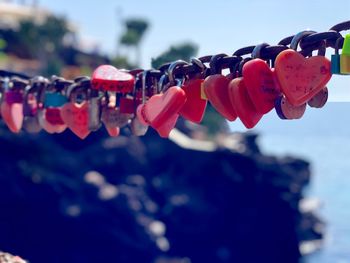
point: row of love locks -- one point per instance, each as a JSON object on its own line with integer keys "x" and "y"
{"x": 246, "y": 85}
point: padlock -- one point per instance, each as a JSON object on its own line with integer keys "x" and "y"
{"x": 345, "y": 56}
{"x": 109, "y": 78}
{"x": 195, "y": 105}
{"x": 335, "y": 59}
{"x": 12, "y": 103}
{"x": 301, "y": 78}
{"x": 94, "y": 110}
{"x": 287, "y": 111}
{"x": 33, "y": 104}
{"x": 216, "y": 88}
{"x": 75, "y": 113}
{"x": 146, "y": 85}
{"x": 320, "y": 99}
{"x": 259, "y": 81}
{"x": 53, "y": 99}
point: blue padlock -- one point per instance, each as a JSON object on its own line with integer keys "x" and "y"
{"x": 335, "y": 59}
{"x": 54, "y": 100}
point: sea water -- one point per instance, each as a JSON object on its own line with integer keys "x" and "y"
{"x": 322, "y": 136}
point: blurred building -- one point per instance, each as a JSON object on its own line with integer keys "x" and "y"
{"x": 77, "y": 53}
{"x": 12, "y": 12}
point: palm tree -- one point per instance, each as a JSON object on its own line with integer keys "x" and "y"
{"x": 132, "y": 37}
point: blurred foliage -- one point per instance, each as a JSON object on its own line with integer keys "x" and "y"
{"x": 122, "y": 62}
{"x": 135, "y": 29}
{"x": 182, "y": 51}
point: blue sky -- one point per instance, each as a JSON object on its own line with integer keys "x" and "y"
{"x": 216, "y": 26}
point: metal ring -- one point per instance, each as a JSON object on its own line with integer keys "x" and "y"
{"x": 271, "y": 52}
{"x": 341, "y": 26}
{"x": 256, "y": 53}
{"x": 171, "y": 70}
{"x": 286, "y": 41}
{"x": 298, "y": 37}
{"x": 317, "y": 37}
{"x": 214, "y": 67}
{"x": 244, "y": 51}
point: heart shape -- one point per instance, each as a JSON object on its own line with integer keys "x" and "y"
{"x": 167, "y": 127}
{"x": 142, "y": 124}
{"x": 51, "y": 121}
{"x": 113, "y": 131}
{"x": 109, "y": 78}
{"x": 287, "y": 111}
{"x": 162, "y": 107}
{"x": 76, "y": 116}
{"x": 12, "y": 114}
{"x": 320, "y": 99}
{"x": 259, "y": 80}
{"x": 242, "y": 103}
{"x": 301, "y": 78}
{"x": 216, "y": 90}
{"x": 194, "y": 107}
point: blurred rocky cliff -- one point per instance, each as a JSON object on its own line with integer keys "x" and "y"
{"x": 130, "y": 199}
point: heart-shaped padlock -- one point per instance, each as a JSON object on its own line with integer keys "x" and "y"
{"x": 287, "y": 111}
{"x": 242, "y": 103}
{"x": 301, "y": 78}
{"x": 76, "y": 117}
{"x": 216, "y": 90}
{"x": 259, "y": 80}
{"x": 76, "y": 113}
{"x": 161, "y": 111}
{"x": 194, "y": 107}
{"x": 12, "y": 104}
{"x": 109, "y": 78}
{"x": 320, "y": 99}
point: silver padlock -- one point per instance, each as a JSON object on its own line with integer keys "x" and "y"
{"x": 32, "y": 104}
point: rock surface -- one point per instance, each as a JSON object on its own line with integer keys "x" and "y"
{"x": 130, "y": 199}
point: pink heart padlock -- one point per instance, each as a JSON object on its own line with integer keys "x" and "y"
{"x": 76, "y": 117}
{"x": 109, "y": 78}
{"x": 12, "y": 110}
{"x": 301, "y": 78}
{"x": 161, "y": 110}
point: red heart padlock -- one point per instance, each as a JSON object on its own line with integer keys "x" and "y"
{"x": 12, "y": 110}
{"x": 109, "y": 78}
{"x": 259, "y": 80}
{"x": 113, "y": 131}
{"x": 320, "y": 99}
{"x": 161, "y": 108}
{"x": 76, "y": 117}
{"x": 216, "y": 90}
{"x": 301, "y": 78}
{"x": 167, "y": 127}
{"x": 194, "y": 107}
{"x": 51, "y": 121}
{"x": 243, "y": 105}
